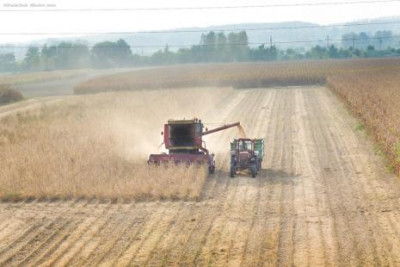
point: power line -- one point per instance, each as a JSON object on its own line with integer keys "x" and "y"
{"x": 33, "y": 9}
{"x": 205, "y": 45}
{"x": 208, "y": 30}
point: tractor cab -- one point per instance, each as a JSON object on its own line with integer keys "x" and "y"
{"x": 246, "y": 154}
{"x": 245, "y": 145}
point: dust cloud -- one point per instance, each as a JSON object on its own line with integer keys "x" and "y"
{"x": 241, "y": 132}
{"x": 98, "y": 146}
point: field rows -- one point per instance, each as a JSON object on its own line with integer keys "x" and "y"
{"x": 322, "y": 198}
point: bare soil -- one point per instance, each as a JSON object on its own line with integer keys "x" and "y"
{"x": 322, "y": 198}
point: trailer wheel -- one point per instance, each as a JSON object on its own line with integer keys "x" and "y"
{"x": 253, "y": 170}
{"x": 232, "y": 172}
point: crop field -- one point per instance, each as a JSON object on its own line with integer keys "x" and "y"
{"x": 77, "y": 191}
{"x": 240, "y": 75}
{"x": 374, "y": 98}
{"x": 21, "y": 78}
{"x": 71, "y": 149}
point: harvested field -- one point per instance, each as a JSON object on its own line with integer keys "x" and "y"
{"x": 322, "y": 198}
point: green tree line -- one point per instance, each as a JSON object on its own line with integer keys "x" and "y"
{"x": 212, "y": 47}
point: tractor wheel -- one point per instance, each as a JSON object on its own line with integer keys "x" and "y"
{"x": 232, "y": 172}
{"x": 253, "y": 170}
{"x": 211, "y": 169}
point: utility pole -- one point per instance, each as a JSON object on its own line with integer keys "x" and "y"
{"x": 270, "y": 41}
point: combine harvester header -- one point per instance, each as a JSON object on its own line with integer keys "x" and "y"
{"x": 183, "y": 139}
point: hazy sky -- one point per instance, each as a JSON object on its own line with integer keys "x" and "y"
{"x": 103, "y": 21}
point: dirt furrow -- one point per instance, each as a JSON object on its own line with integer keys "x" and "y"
{"x": 239, "y": 244}
{"x": 284, "y": 163}
{"x": 91, "y": 248}
{"x": 34, "y": 235}
{"x": 255, "y": 232}
{"x": 322, "y": 198}
{"x": 366, "y": 246}
{"x": 118, "y": 242}
{"x": 74, "y": 249}
{"x": 313, "y": 200}
{"x": 268, "y": 249}
{"x": 159, "y": 214}
{"x": 107, "y": 241}
{"x": 235, "y": 230}
{"x": 59, "y": 235}
{"x": 359, "y": 178}
{"x": 219, "y": 246}
{"x": 337, "y": 192}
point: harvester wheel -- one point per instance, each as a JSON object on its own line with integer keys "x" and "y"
{"x": 253, "y": 170}
{"x": 232, "y": 172}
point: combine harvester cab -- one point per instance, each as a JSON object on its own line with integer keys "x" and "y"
{"x": 185, "y": 145}
{"x": 246, "y": 154}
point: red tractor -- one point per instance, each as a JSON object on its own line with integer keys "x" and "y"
{"x": 246, "y": 154}
{"x": 183, "y": 140}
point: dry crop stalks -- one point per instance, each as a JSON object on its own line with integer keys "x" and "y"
{"x": 9, "y": 95}
{"x": 238, "y": 75}
{"x": 369, "y": 86}
{"x": 97, "y": 146}
{"x": 374, "y": 98}
{"x": 19, "y": 78}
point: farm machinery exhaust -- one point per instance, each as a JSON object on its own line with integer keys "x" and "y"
{"x": 184, "y": 141}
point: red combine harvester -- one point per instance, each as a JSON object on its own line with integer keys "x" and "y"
{"x": 183, "y": 139}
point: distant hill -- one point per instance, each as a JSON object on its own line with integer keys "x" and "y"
{"x": 281, "y": 35}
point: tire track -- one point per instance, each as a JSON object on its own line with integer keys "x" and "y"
{"x": 334, "y": 188}
{"x": 220, "y": 245}
{"x": 246, "y": 226}
{"x": 355, "y": 223}
{"x": 240, "y": 234}
{"x": 256, "y": 227}
{"x": 326, "y": 227}
{"x": 270, "y": 228}
{"x": 287, "y": 215}
{"x": 363, "y": 185}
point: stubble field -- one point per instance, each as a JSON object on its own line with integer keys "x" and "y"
{"x": 322, "y": 198}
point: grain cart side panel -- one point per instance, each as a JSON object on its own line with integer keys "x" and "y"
{"x": 259, "y": 146}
